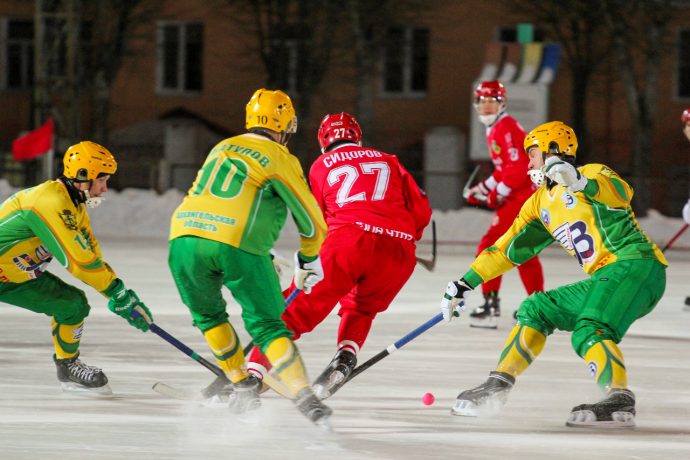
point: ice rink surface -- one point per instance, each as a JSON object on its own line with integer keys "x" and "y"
{"x": 378, "y": 415}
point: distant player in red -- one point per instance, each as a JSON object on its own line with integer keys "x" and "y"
{"x": 505, "y": 191}
{"x": 375, "y": 212}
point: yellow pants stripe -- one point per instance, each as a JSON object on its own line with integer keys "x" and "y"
{"x": 523, "y": 346}
{"x": 66, "y": 338}
{"x": 227, "y": 350}
{"x": 287, "y": 364}
{"x": 606, "y": 364}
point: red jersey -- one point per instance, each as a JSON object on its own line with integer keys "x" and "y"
{"x": 506, "y": 139}
{"x": 370, "y": 189}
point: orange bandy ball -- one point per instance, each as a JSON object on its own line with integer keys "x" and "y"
{"x": 428, "y": 399}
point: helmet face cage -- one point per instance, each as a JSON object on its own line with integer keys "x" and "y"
{"x": 554, "y": 138}
{"x": 271, "y": 110}
{"x": 339, "y": 127}
{"x": 87, "y": 161}
{"x": 686, "y": 116}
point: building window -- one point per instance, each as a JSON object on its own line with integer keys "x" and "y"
{"x": 180, "y": 46}
{"x": 17, "y": 54}
{"x": 405, "y": 61}
{"x": 683, "y": 85}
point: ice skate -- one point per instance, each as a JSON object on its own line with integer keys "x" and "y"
{"x": 243, "y": 396}
{"x": 615, "y": 411}
{"x": 686, "y": 307}
{"x": 335, "y": 375}
{"x": 75, "y": 376}
{"x": 312, "y": 408}
{"x": 486, "y": 316}
{"x": 486, "y": 399}
{"x": 219, "y": 396}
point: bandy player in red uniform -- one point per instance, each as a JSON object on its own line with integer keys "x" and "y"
{"x": 375, "y": 212}
{"x": 505, "y": 191}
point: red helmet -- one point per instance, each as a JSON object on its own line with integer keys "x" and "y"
{"x": 493, "y": 88}
{"x": 338, "y": 127}
{"x": 686, "y": 116}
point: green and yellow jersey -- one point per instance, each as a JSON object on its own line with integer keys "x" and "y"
{"x": 43, "y": 222}
{"x": 596, "y": 226}
{"x": 241, "y": 195}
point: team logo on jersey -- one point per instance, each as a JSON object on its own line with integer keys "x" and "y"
{"x": 495, "y": 147}
{"x": 574, "y": 238}
{"x": 606, "y": 172}
{"x": 32, "y": 267}
{"x": 569, "y": 200}
{"x": 514, "y": 154}
{"x": 545, "y": 217}
{"x": 592, "y": 368}
{"x": 68, "y": 219}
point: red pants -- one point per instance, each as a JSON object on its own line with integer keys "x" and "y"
{"x": 364, "y": 272}
{"x": 531, "y": 272}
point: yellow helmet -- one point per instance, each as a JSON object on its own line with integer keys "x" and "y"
{"x": 554, "y": 137}
{"x": 87, "y": 160}
{"x": 272, "y": 110}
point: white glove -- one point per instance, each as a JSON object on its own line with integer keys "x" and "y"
{"x": 453, "y": 301}
{"x": 280, "y": 263}
{"x": 564, "y": 173}
{"x": 686, "y": 212}
{"x": 307, "y": 274}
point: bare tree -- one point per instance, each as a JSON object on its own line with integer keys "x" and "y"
{"x": 369, "y": 22}
{"x": 638, "y": 29}
{"x": 112, "y": 24}
{"x": 578, "y": 26}
{"x": 312, "y": 33}
{"x": 294, "y": 42}
{"x": 80, "y": 49}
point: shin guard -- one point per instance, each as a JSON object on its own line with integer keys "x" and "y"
{"x": 605, "y": 363}
{"x": 226, "y": 348}
{"x": 522, "y": 347}
{"x": 288, "y": 364}
{"x": 66, "y": 338}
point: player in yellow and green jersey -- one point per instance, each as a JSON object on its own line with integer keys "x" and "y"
{"x": 587, "y": 211}
{"x": 50, "y": 221}
{"x": 221, "y": 235}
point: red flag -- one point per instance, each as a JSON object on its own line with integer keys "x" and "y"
{"x": 34, "y": 143}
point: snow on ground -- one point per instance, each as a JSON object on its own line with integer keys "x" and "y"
{"x": 379, "y": 415}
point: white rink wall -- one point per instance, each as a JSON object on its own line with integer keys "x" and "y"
{"x": 145, "y": 213}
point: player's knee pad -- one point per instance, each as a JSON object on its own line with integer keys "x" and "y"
{"x": 66, "y": 338}
{"x": 287, "y": 363}
{"x": 587, "y": 333}
{"x": 606, "y": 365}
{"x": 226, "y": 348}
{"x": 522, "y": 347}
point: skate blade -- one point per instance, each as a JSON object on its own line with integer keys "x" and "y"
{"x": 75, "y": 388}
{"x": 320, "y": 391}
{"x": 485, "y": 324}
{"x": 488, "y": 408}
{"x": 335, "y": 381}
{"x": 324, "y": 424}
{"x": 464, "y": 408}
{"x": 215, "y": 402}
{"x": 586, "y": 418}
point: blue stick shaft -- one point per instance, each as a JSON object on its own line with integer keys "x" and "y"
{"x": 417, "y": 332}
{"x": 156, "y": 329}
{"x": 394, "y": 346}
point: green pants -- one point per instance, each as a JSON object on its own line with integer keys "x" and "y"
{"x": 50, "y": 295}
{"x": 201, "y": 267}
{"x": 600, "y": 308}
